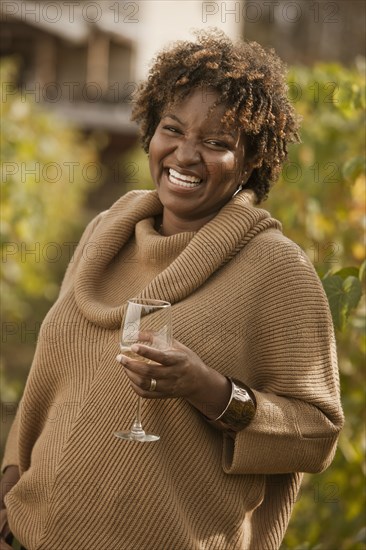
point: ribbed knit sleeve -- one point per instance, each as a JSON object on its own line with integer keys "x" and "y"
{"x": 292, "y": 366}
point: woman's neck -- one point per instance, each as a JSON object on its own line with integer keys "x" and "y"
{"x": 169, "y": 224}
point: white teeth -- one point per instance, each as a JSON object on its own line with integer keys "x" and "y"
{"x": 183, "y": 180}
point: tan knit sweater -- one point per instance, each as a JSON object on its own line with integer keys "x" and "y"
{"x": 248, "y": 302}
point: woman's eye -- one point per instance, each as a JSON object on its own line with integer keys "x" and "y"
{"x": 171, "y": 129}
{"x": 219, "y": 144}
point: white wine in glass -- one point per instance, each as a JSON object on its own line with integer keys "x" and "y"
{"x": 147, "y": 322}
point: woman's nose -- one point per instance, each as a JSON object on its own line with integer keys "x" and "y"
{"x": 187, "y": 152}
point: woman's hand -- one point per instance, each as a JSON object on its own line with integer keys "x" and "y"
{"x": 4, "y": 530}
{"x": 9, "y": 479}
{"x": 178, "y": 372}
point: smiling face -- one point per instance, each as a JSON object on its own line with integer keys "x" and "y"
{"x": 195, "y": 162}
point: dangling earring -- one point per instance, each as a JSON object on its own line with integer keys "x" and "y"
{"x": 238, "y": 190}
{"x": 242, "y": 184}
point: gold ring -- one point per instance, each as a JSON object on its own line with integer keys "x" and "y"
{"x": 152, "y": 385}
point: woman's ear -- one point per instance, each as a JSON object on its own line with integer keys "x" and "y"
{"x": 247, "y": 172}
{"x": 250, "y": 163}
{"x": 251, "y": 159}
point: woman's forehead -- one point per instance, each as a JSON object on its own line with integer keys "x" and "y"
{"x": 203, "y": 102}
{"x": 201, "y": 95}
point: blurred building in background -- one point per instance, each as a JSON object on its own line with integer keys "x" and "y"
{"x": 83, "y": 59}
{"x": 305, "y": 31}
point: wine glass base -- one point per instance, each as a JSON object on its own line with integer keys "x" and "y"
{"x": 130, "y": 436}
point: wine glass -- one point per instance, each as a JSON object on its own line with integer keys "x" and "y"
{"x": 147, "y": 322}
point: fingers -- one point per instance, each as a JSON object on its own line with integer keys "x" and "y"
{"x": 151, "y": 353}
{"x": 4, "y": 527}
{"x": 141, "y": 373}
{"x": 142, "y": 369}
{"x": 146, "y": 393}
{"x": 170, "y": 368}
{"x": 175, "y": 370}
{"x": 140, "y": 376}
{"x": 167, "y": 357}
{"x": 4, "y": 530}
{"x": 156, "y": 359}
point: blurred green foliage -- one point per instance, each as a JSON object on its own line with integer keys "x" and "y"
{"x": 320, "y": 200}
{"x": 47, "y": 170}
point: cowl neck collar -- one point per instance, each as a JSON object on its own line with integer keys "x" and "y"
{"x": 215, "y": 244}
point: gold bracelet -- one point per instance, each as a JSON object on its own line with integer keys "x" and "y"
{"x": 240, "y": 410}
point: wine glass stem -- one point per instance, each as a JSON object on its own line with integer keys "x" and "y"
{"x": 136, "y": 427}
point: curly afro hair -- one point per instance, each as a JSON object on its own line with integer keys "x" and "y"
{"x": 250, "y": 81}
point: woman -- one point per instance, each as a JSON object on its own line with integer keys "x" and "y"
{"x": 246, "y": 399}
